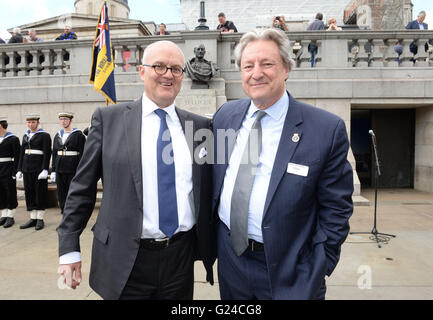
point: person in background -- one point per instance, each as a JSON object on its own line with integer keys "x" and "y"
{"x": 33, "y": 166}
{"x": 162, "y": 30}
{"x": 2, "y": 41}
{"x": 16, "y": 36}
{"x": 225, "y": 25}
{"x": 32, "y": 37}
{"x": 279, "y": 22}
{"x": 9, "y": 155}
{"x": 68, "y": 34}
{"x": 333, "y": 25}
{"x": 68, "y": 146}
{"x": 317, "y": 24}
{"x": 417, "y": 24}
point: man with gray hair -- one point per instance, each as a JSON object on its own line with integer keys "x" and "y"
{"x": 154, "y": 219}
{"x": 16, "y": 36}
{"x": 283, "y": 185}
{"x": 418, "y": 24}
{"x": 33, "y": 37}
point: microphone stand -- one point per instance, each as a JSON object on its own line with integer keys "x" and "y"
{"x": 376, "y": 236}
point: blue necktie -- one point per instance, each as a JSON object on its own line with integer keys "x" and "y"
{"x": 167, "y": 201}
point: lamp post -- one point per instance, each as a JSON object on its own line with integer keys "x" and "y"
{"x": 202, "y": 20}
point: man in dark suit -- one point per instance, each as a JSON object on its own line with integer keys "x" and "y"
{"x": 154, "y": 219}
{"x": 418, "y": 24}
{"x": 282, "y": 184}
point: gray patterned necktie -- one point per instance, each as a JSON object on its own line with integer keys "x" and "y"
{"x": 243, "y": 186}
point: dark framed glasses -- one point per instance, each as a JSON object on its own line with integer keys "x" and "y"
{"x": 162, "y": 69}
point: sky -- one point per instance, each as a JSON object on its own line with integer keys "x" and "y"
{"x": 18, "y": 12}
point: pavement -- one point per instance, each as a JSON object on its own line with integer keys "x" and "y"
{"x": 401, "y": 269}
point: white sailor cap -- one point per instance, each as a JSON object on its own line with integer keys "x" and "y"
{"x": 69, "y": 115}
{"x": 32, "y": 116}
{"x": 3, "y": 119}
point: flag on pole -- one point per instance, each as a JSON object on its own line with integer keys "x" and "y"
{"x": 102, "y": 72}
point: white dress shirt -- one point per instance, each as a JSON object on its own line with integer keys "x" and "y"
{"x": 183, "y": 169}
{"x": 183, "y": 174}
{"x": 272, "y": 126}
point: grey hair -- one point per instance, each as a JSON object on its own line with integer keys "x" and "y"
{"x": 422, "y": 13}
{"x": 276, "y": 35}
{"x": 146, "y": 51}
{"x": 32, "y": 30}
{"x": 17, "y": 30}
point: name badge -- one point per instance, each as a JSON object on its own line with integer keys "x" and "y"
{"x": 297, "y": 169}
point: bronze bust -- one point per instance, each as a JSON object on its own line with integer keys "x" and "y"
{"x": 199, "y": 69}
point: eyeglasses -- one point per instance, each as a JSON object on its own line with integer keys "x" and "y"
{"x": 162, "y": 69}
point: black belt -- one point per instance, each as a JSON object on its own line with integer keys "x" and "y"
{"x": 255, "y": 246}
{"x": 158, "y": 244}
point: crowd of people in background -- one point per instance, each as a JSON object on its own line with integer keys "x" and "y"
{"x": 228, "y": 26}
{"x": 17, "y": 37}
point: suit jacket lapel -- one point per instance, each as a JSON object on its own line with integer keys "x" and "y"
{"x": 286, "y": 148}
{"x": 132, "y": 121}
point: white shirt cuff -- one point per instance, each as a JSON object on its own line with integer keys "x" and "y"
{"x": 71, "y": 257}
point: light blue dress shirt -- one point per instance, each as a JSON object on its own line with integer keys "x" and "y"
{"x": 272, "y": 127}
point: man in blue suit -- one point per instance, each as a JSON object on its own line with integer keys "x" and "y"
{"x": 418, "y": 24}
{"x": 282, "y": 183}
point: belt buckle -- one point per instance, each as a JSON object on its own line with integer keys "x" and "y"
{"x": 28, "y": 151}
{"x": 252, "y": 245}
{"x": 166, "y": 241}
{"x": 63, "y": 152}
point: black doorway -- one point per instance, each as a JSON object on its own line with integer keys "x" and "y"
{"x": 395, "y": 134}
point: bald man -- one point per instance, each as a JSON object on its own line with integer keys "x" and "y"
{"x": 154, "y": 220}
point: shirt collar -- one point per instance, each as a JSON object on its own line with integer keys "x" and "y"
{"x": 148, "y": 107}
{"x": 29, "y": 132}
{"x": 275, "y": 111}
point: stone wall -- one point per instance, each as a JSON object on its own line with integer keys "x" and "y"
{"x": 384, "y": 14}
{"x": 424, "y": 149}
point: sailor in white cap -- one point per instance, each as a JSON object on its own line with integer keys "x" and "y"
{"x": 33, "y": 166}
{"x": 68, "y": 146}
{"x": 9, "y": 155}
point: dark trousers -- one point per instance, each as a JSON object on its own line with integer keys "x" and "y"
{"x": 245, "y": 277}
{"x": 8, "y": 193}
{"x": 241, "y": 278}
{"x": 63, "y": 181}
{"x": 36, "y": 191}
{"x": 165, "y": 274}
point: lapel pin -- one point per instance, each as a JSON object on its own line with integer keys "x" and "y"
{"x": 295, "y": 137}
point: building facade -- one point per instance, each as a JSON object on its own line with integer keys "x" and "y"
{"x": 366, "y": 86}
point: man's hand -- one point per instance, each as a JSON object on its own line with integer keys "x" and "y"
{"x": 71, "y": 274}
{"x": 19, "y": 175}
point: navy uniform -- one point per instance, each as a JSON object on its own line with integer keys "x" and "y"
{"x": 33, "y": 166}
{"x": 9, "y": 155}
{"x": 67, "y": 151}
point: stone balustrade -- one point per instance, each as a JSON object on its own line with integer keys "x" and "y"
{"x": 336, "y": 49}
